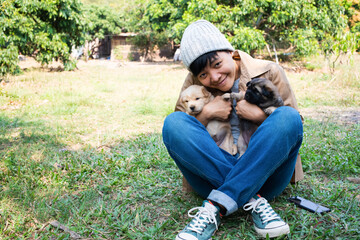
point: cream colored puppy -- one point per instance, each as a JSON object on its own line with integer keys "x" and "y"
{"x": 193, "y": 99}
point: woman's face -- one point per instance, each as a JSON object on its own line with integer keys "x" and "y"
{"x": 219, "y": 73}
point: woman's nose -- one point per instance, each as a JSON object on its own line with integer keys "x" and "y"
{"x": 214, "y": 76}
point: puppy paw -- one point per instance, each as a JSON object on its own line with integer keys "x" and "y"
{"x": 269, "y": 110}
{"x": 226, "y": 96}
{"x": 237, "y": 96}
{"x": 241, "y": 152}
{"x": 234, "y": 150}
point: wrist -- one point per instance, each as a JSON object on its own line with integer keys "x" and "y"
{"x": 203, "y": 118}
{"x": 260, "y": 118}
{"x": 206, "y": 113}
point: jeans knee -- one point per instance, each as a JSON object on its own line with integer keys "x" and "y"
{"x": 173, "y": 124}
{"x": 288, "y": 121}
{"x": 173, "y": 120}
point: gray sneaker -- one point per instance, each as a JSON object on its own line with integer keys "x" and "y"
{"x": 266, "y": 220}
{"x": 203, "y": 225}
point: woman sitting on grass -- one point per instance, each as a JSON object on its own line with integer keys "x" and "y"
{"x": 228, "y": 182}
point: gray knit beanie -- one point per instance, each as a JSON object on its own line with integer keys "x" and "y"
{"x": 201, "y": 37}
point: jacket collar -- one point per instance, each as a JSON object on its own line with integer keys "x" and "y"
{"x": 249, "y": 66}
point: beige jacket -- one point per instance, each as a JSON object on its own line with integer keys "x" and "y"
{"x": 252, "y": 68}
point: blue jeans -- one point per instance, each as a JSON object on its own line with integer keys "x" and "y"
{"x": 265, "y": 168}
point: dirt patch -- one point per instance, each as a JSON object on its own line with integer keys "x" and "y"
{"x": 31, "y": 63}
{"x": 333, "y": 114}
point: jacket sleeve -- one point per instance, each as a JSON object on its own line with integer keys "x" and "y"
{"x": 277, "y": 75}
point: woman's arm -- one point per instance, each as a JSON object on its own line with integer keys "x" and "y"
{"x": 250, "y": 112}
{"x": 278, "y": 77}
{"x": 216, "y": 109}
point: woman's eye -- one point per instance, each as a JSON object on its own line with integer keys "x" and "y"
{"x": 203, "y": 75}
{"x": 217, "y": 64}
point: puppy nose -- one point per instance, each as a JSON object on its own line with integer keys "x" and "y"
{"x": 192, "y": 108}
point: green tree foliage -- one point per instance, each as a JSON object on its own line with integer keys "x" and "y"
{"x": 45, "y": 29}
{"x": 101, "y": 21}
{"x": 352, "y": 11}
{"x": 48, "y": 29}
{"x": 149, "y": 20}
{"x": 301, "y": 26}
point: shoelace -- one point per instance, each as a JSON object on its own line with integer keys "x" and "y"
{"x": 202, "y": 217}
{"x": 264, "y": 209}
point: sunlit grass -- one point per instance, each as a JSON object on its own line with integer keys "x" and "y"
{"x": 84, "y": 148}
{"x": 321, "y": 87}
{"x": 113, "y": 100}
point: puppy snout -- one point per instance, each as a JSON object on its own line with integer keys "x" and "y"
{"x": 192, "y": 108}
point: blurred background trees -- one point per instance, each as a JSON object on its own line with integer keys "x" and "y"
{"x": 302, "y": 27}
{"x": 49, "y": 29}
{"x": 45, "y": 29}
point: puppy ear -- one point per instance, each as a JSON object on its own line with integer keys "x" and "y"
{"x": 267, "y": 91}
{"x": 206, "y": 93}
{"x": 182, "y": 102}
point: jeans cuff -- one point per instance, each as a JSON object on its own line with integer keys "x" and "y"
{"x": 223, "y": 199}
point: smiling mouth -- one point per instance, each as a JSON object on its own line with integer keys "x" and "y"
{"x": 221, "y": 82}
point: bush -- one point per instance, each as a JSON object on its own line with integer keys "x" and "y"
{"x": 9, "y": 60}
{"x": 46, "y": 30}
{"x": 248, "y": 39}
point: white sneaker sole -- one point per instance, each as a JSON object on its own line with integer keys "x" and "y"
{"x": 187, "y": 238}
{"x": 273, "y": 232}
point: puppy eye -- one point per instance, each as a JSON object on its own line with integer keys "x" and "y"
{"x": 266, "y": 92}
{"x": 186, "y": 100}
{"x": 197, "y": 98}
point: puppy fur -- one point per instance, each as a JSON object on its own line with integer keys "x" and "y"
{"x": 263, "y": 93}
{"x": 193, "y": 99}
{"x": 247, "y": 128}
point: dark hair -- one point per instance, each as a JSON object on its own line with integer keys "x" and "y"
{"x": 200, "y": 63}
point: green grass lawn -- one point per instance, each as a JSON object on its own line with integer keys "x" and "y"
{"x": 84, "y": 148}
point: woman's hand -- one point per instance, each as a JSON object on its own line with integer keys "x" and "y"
{"x": 216, "y": 109}
{"x": 250, "y": 112}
